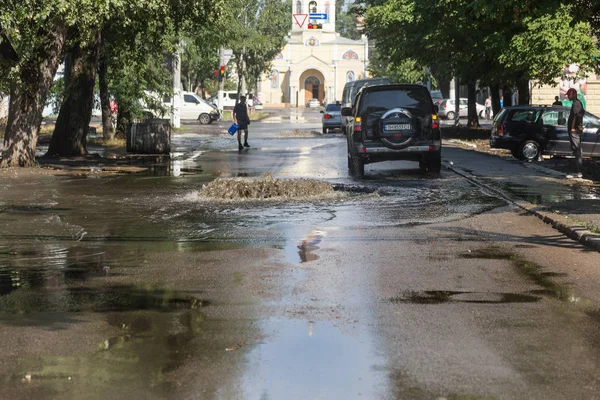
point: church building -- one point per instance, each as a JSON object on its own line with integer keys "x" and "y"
{"x": 316, "y": 62}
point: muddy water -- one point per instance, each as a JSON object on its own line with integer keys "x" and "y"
{"x": 138, "y": 286}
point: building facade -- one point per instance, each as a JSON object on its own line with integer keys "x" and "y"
{"x": 314, "y": 63}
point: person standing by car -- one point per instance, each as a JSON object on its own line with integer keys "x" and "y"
{"x": 575, "y": 129}
{"x": 488, "y": 107}
{"x": 242, "y": 120}
{"x": 557, "y": 101}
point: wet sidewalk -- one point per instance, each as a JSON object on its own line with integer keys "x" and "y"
{"x": 571, "y": 206}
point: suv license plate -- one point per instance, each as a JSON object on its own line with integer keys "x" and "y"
{"x": 397, "y": 127}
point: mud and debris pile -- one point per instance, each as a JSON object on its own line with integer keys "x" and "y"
{"x": 265, "y": 187}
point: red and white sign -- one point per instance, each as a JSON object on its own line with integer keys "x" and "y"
{"x": 300, "y": 19}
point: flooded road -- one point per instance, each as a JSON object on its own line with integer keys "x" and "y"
{"x": 399, "y": 285}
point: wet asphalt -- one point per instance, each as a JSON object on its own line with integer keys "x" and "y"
{"x": 401, "y": 285}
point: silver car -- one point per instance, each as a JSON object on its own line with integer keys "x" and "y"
{"x": 447, "y": 108}
{"x": 332, "y": 118}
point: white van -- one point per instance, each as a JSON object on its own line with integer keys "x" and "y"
{"x": 228, "y": 99}
{"x": 191, "y": 106}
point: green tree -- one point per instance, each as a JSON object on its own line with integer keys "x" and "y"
{"x": 36, "y": 31}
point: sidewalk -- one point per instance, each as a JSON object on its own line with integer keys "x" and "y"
{"x": 572, "y": 206}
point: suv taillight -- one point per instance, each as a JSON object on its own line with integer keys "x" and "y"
{"x": 357, "y": 124}
{"x": 434, "y": 121}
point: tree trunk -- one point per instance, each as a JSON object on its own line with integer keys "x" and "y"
{"x": 523, "y": 87}
{"x": 507, "y": 96}
{"x": 70, "y": 132}
{"x": 108, "y": 131}
{"x": 445, "y": 88}
{"x": 27, "y": 99}
{"x": 472, "y": 116}
{"x": 495, "y": 88}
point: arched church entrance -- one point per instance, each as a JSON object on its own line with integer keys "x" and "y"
{"x": 312, "y": 83}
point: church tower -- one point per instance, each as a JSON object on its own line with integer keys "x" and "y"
{"x": 319, "y": 13}
{"x": 316, "y": 62}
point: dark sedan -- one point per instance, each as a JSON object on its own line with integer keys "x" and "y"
{"x": 331, "y": 117}
{"x": 532, "y": 131}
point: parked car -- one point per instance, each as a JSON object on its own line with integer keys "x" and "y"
{"x": 313, "y": 103}
{"x": 332, "y": 118}
{"x": 447, "y": 108}
{"x": 192, "y": 106}
{"x": 352, "y": 88}
{"x": 256, "y": 103}
{"x": 531, "y": 131}
{"x": 393, "y": 122}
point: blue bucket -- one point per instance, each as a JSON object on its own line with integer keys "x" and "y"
{"x": 233, "y": 129}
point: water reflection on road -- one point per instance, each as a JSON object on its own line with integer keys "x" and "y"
{"x": 131, "y": 286}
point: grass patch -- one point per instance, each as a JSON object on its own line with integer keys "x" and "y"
{"x": 255, "y": 116}
{"x": 114, "y": 142}
{"x": 46, "y": 130}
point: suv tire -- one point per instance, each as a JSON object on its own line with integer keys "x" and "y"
{"x": 356, "y": 165}
{"x": 433, "y": 161}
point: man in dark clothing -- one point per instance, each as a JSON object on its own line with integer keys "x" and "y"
{"x": 575, "y": 129}
{"x": 241, "y": 119}
{"x": 557, "y": 102}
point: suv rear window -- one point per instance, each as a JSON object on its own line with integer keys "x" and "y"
{"x": 415, "y": 100}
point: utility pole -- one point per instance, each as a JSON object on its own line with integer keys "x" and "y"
{"x": 221, "y": 80}
{"x": 176, "y": 116}
{"x": 243, "y": 77}
{"x": 456, "y": 100}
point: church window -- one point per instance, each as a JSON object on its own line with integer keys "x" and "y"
{"x": 312, "y": 7}
{"x": 312, "y": 80}
{"x": 350, "y": 55}
{"x": 327, "y": 9}
{"x": 274, "y": 79}
{"x": 298, "y": 7}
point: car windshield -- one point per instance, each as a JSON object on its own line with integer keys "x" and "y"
{"x": 415, "y": 100}
{"x": 333, "y": 107}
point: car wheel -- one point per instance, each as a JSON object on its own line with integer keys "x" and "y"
{"x": 204, "y": 119}
{"x": 324, "y": 130}
{"x": 356, "y": 165}
{"x": 450, "y": 115}
{"x": 529, "y": 150}
{"x": 434, "y": 162}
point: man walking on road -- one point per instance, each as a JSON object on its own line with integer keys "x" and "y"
{"x": 241, "y": 118}
{"x": 575, "y": 129}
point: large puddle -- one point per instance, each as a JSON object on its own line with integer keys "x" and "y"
{"x": 313, "y": 360}
{"x": 130, "y": 285}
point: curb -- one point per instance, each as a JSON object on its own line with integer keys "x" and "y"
{"x": 572, "y": 230}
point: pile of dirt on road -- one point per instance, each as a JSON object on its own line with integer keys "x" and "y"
{"x": 478, "y": 140}
{"x": 266, "y": 187}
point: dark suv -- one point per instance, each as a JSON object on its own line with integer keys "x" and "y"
{"x": 393, "y": 122}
